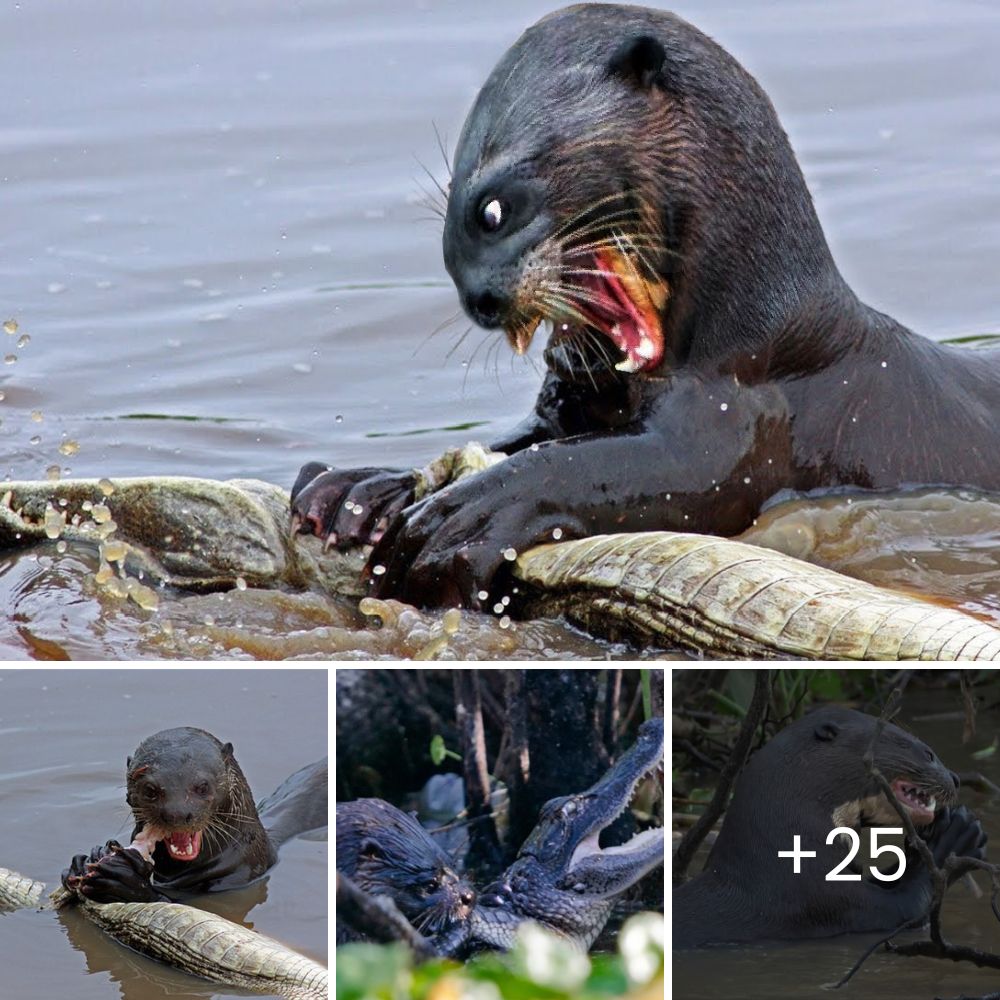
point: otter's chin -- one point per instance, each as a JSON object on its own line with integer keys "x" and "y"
{"x": 584, "y": 356}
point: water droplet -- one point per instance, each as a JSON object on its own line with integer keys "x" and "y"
{"x": 37, "y": 416}
{"x": 746, "y": 479}
{"x": 10, "y": 326}
{"x": 885, "y": 364}
{"x": 510, "y": 554}
{"x": 557, "y": 533}
{"x": 114, "y": 550}
{"x": 378, "y": 570}
{"x": 61, "y": 546}
{"x": 10, "y": 359}
{"x": 241, "y": 584}
{"x": 723, "y": 407}
{"x": 106, "y": 486}
{"x": 482, "y": 595}
{"x": 69, "y": 447}
{"x": 338, "y": 419}
{"x": 52, "y": 473}
{"x": 55, "y": 287}
{"x": 23, "y": 340}
{"x": 498, "y": 608}
{"x": 35, "y": 439}
{"x": 505, "y": 621}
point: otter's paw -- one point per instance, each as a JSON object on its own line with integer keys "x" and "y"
{"x": 111, "y": 874}
{"x": 349, "y": 507}
{"x": 957, "y": 831}
{"x": 446, "y": 550}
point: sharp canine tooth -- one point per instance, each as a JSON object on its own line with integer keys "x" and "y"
{"x": 629, "y": 365}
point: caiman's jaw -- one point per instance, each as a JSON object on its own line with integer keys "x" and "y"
{"x": 562, "y": 878}
{"x": 569, "y": 828}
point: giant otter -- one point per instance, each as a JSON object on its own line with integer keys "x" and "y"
{"x": 807, "y": 781}
{"x": 623, "y": 179}
{"x": 388, "y": 853}
{"x": 196, "y": 826}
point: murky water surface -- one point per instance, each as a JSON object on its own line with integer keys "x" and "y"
{"x": 218, "y": 263}
{"x": 803, "y": 970}
{"x": 64, "y": 737}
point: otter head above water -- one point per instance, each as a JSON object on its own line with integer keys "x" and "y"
{"x": 840, "y": 739}
{"x": 812, "y": 778}
{"x": 582, "y": 193}
{"x": 187, "y": 794}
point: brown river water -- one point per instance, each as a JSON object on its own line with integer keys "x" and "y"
{"x": 804, "y": 970}
{"x": 216, "y": 255}
{"x": 64, "y": 738}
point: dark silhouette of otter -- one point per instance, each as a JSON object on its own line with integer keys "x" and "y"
{"x": 622, "y": 177}
{"x": 810, "y": 779}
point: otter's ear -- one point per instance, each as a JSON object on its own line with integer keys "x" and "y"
{"x": 128, "y": 763}
{"x": 638, "y": 61}
{"x": 827, "y": 731}
{"x": 371, "y": 849}
{"x": 227, "y": 750}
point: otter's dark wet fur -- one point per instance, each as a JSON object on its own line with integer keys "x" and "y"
{"x": 808, "y": 780}
{"x": 388, "y": 853}
{"x": 627, "y": 130}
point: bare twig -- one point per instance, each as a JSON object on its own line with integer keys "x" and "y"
{"x": 377, "y": 918}
{"x": 484, "y": 847}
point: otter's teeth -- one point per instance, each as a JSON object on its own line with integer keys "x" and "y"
{"x": 646, "y": 348}
{"x": 630, "y": 365}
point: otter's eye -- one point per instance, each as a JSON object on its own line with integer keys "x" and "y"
{"x": 201, "y": 788}
{"x": 150, "y": 793}
{"x": 491, "y": 215}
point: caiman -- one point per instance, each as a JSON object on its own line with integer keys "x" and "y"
{"x": 562, "y": 878}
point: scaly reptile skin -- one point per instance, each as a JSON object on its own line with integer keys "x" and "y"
{"x": 561, "y": 878}
{"x": 211, "y": 947}
{"x": 17, "y": 891}
{"x": 189, "y": 939}
{"x": 719, "y": 596}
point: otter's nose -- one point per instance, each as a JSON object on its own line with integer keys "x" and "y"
{"x": 176, "y": 817}
{"x": 485, "y": 306}
{"x": 467, "y": 897}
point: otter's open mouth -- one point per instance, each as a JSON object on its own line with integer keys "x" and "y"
{"x": 610, "y": 295}
{"x": 918, "y": 802}
{"x": 184, "y": 845}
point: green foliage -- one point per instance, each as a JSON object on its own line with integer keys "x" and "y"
{"x": 541, "y": 966}
{"x": 439, "y": 751}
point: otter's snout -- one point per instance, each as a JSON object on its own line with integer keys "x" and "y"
{"x": 486, "y": 307}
